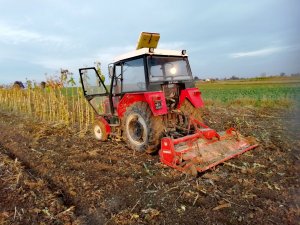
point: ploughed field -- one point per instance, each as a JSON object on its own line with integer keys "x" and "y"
{"x": 49, "y": 174}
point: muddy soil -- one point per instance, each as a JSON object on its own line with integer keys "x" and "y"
{"x": 27, "y": 199}
{"x": 49, "y": 175}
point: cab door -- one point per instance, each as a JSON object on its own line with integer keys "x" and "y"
{"x": 95, "y": 91}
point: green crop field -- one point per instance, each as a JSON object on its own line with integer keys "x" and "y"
{"x": 272, "y": 92}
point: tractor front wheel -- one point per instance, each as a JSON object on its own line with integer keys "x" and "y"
{"x": 100, "y": 131}
{"x": 141, "y": 130}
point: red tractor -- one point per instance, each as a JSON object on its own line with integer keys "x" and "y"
{"x": 152, "y": 103}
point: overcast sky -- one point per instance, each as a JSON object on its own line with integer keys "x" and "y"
{"x": 222, "y": 38}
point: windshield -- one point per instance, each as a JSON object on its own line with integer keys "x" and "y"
{"x": 168, "y": 68}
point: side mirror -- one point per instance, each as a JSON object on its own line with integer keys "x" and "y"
{"x": 110, "y": 70}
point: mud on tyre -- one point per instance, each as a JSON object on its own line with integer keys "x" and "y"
{"x": 188, "y": 109}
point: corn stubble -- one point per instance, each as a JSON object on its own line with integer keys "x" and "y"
{"x": 55, "y": 103}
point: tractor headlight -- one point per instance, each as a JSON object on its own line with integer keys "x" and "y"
{"x": 173, "y": 70}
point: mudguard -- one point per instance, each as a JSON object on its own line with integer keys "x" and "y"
{"x": 155, "y": 100}
{"x": 193, "y": 95}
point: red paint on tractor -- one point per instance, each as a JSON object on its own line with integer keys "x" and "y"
{"x": 167, "y": 152}
{"x": 193, "y": 95}
{"x": 156, "y": 97}
{"x": 150, "y": 97}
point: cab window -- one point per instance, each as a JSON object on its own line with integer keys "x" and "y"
{"x": 133, "y": 76}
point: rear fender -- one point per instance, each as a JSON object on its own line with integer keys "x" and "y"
{"x": 193, "y": 95}
{"x": 155, "y": 100}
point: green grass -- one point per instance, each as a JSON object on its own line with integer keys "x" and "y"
{"x": 274, "y": 93}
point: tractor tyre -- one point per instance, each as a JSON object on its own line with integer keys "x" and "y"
{"x": 100, "y": 131}
{"x": 188, "y": 109}
{"x": 142, "y": 131}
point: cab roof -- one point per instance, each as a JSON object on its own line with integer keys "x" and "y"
{"x": 146, "y": 51}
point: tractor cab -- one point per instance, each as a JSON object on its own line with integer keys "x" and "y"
{"x": 145, "y": 70}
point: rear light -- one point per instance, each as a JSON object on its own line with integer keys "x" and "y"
{"x": 197, "y": 93}
{"x": 156, "y": 98}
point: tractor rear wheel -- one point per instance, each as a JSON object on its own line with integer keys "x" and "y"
{"x": 142, "y": 130}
